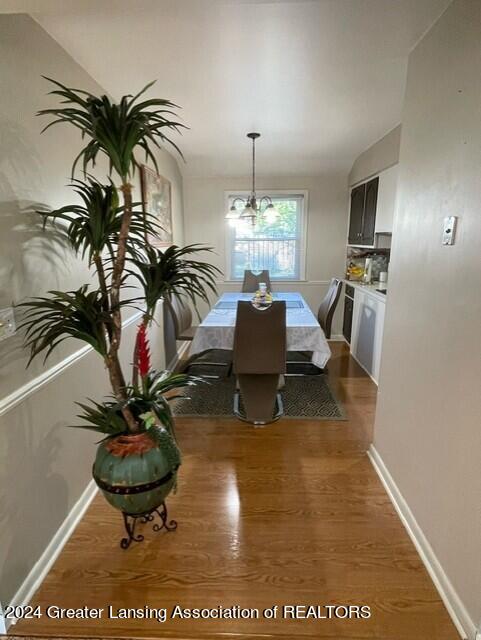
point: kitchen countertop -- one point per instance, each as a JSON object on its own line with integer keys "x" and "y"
{"x": 368, "y": 288}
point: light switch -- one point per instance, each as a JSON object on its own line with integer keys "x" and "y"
{"x": 449, "y": 229}
{"x": 7, "y": 323}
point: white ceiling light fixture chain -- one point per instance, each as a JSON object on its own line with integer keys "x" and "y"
{"x": 254, "y": 209}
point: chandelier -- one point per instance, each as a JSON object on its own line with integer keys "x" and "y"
{"x": 253, "y": 209}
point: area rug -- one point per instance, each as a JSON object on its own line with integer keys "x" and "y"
{"x": 303, "y": 397}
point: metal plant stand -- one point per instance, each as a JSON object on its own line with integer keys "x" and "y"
{"x": 130, "y": 522}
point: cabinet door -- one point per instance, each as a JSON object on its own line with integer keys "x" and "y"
{"x": 386, "y": 200}
{"x": 356, "y": 214}
{"x": 356, "y": 313}
{"x": 381, "y": 308}
{"x": 347, "y": 324}
{"x": 369, "y": 219}
{"x": 367, "y": 332}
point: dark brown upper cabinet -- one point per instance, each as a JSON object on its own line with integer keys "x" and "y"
{"x": 362, "y": 220}
{"x": 358, "y": 196}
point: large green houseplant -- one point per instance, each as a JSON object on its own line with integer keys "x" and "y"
{"x": 137, "y": 460}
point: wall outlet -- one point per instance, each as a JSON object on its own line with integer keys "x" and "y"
{"x": 7, "y": 323}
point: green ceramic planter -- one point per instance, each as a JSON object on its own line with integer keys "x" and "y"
{"x": 135, "y": 472}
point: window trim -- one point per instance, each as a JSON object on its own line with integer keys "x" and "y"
{"x": 233, "y": 193}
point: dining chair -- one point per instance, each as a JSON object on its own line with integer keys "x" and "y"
{"x": 183, "y": 329}
{"x": 299, "y": 362}
{"x": 328, "y": 306}
{"x": 251, "y": 281}
{"x": 182, "y": 318}
{"x": 259, "y": 361}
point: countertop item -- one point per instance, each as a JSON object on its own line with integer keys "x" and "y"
{"x": 371, "y": 289}
{"x": 367, "y": 277}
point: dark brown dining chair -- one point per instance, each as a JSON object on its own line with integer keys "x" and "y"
{"x": 182, "y": 317}
{"x": 203, "y": 364}
{"x": 259, "y": 361}
{"x": 251, "y": 281}
{"x": 299, "y": 362}
{"x": 328, "y": 306}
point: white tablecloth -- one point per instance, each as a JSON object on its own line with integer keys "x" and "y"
{"x": 303, "y": 330}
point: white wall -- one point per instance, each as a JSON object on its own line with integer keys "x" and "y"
{"x": 169, "y": 168}
{"x": 35, "y": 169}
{"x": 44, "y": 467}
{"x": 326, "y": 231}
{"x": 381, "y": 155}
{"x": 428, "y": 422}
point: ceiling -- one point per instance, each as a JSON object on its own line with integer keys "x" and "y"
{"x": 320, "y": 80}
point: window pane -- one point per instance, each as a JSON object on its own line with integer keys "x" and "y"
{"x": 270, "y": 245}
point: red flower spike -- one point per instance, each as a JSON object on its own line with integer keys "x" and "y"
{"x": 143, "y": 351}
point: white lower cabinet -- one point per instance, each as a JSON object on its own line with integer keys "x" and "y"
{"x": 367, "y": 330}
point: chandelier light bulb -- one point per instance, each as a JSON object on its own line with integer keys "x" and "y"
{"x": 248, "y": 211}
{"x": 232, "y": 214}
{"x": 271, "y": 214}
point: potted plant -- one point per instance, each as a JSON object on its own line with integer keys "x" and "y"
{"x": 137, "y": 461}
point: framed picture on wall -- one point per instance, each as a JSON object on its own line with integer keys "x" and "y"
{"x": 157, "y": 200}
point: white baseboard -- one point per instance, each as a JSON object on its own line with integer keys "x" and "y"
{"x": 48, "y": 557}
{"x": 337, "y": 337}
{"x": 43, "y": 565}
{"x": 456, "y": 609}
{"x": 376, "y": 382}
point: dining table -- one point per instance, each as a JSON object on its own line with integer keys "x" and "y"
{"x": 303, "y": 331}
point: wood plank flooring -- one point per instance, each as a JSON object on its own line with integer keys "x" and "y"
{"x": 292, "y": 513}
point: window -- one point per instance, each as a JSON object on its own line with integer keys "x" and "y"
{"x": 278, "y": 246}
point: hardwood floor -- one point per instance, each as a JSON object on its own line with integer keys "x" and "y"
{"x": 292, "y": 513}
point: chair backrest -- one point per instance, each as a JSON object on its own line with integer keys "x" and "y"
{"x": 251, "y": 281}
{"x": 170, "y": 339}
{"x": 260, "y": 339}
{"x": 328, "y": 306}
{"x": 181, "y": 314}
